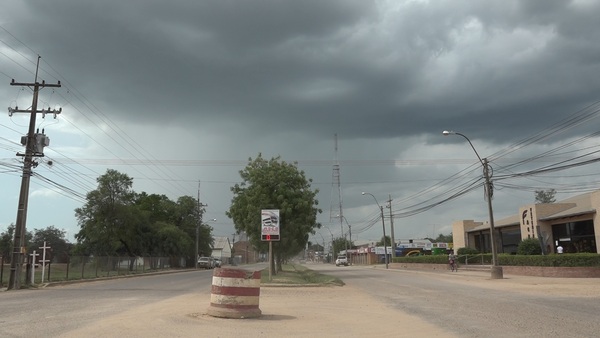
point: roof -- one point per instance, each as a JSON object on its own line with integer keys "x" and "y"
{"x": 222, "y": 243}
{"x": 583, "y": 205}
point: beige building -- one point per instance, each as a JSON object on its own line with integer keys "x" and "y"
{"x": 573, "y": 224}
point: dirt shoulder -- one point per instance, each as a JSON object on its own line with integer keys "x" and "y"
{"x": 310, "y": 311}
{"x": 286, "y": 312}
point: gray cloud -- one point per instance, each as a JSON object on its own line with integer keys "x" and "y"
{"x": 230, "y": 79}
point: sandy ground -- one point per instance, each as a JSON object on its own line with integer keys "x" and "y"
{"x": 286, "y": 312}
{"x": 307, "y": 312}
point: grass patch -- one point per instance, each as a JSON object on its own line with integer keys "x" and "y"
{"x": 298, "y": 275}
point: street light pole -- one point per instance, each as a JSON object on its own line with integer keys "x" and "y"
{"x": 496, "y": 269}
{"x": 383, "y": 224}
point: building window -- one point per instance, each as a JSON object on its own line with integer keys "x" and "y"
{"x": 575, "y": 237}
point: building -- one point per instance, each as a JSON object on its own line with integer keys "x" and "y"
{"x": 573, "y": 223}
{"x": 222, "y": 249}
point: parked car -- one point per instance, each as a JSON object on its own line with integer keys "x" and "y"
{"x": 341, "y": 260}
{"x": 206, "y": 263}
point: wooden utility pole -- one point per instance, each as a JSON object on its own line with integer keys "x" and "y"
{"x": 31, "y": 150}
{"x": 392, "y": 227}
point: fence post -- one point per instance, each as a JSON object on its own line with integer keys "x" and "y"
{"x": 49, "y": 265}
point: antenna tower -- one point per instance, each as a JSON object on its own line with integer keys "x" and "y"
{"x": 336, "y": 210}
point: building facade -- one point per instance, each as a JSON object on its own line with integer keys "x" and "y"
{"x": 572, "y": 223}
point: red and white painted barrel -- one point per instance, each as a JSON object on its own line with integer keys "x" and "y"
{"x": 235, "y": 293}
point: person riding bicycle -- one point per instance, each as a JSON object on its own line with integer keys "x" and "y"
{"x": 452, "y": 262}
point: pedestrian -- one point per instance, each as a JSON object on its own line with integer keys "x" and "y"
{"x": 559, "y": 249}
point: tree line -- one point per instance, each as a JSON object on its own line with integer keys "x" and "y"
{"x": 117, "y": 221}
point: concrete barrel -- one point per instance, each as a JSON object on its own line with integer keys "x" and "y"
{"x": 234, "y": 294}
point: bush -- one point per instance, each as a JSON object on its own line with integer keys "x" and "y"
{"x": 529, "y": 246}
{"x": 467, "y": 251}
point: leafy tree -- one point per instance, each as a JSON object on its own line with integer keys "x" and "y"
{"x": 188, "y": 214}
{"x": 275, "y": 184}
{"x": 340, "y": 244}
{"x": 545, "y": 196}
{"x": 55, "y": 239}
{"x": 388, "y": 241}
{"x": 185, "y": 215}
{"x": 529, "y": 246}
{"x": 173, "y": 241}
{"x": 106, "y": 220}
{"x": 441, "y": 238}
{"x": 6, "y": 242}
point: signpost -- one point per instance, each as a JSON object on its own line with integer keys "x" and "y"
{"x": 269, "y": 231}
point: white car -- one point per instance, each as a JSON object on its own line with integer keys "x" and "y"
{"x": 206, "y": 263}
{"x": 341, "y": 260}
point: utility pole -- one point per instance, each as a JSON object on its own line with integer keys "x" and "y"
{"x": 200, "y": 205}
{"x": 384, "y": 243}
{"x": 392, "y": 227}
{"x": 34, "y": 144}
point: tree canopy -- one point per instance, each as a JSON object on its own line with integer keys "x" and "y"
{"x": 117, "y": 221}
{"x": 275, "y": 184}
{"x": 545, "y": 196}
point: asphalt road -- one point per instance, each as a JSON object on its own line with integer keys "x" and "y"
{"x": 472, "y": 305}
{"x": 461, "y": 304}
{"x": 54, "y": 310}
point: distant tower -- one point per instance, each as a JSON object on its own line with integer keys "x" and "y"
{"x": 336, "y": 211}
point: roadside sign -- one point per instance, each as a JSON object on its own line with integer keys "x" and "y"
{"x": 269, "y": 219}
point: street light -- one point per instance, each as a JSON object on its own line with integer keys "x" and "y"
{"x": 496, "y": 269}
{"x": 383, "y": 224}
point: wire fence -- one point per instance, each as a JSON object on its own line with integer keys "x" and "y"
{"x": 89, "y": 267}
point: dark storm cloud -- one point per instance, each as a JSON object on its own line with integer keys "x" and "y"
{"x": 370, "y": 69}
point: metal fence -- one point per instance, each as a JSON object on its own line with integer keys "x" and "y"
{"x": 89, "y": 267}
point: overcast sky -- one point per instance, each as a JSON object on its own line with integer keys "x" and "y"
{"x": 174, "y": 93}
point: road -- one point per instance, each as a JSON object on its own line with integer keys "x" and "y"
{"x": 59, "y": 309}
{"x": 472, "y": 305}
{"x": 374, "y": 301}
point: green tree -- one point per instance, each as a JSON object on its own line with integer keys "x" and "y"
{"x": 529, "y": 246}
{"x": 6, "y": 242}
{"x": 275, "y": 184}
{"x": 441, "y": 238}
{"x": 388, "y": 241}
{"x": 545, "y": 196}
{"x": 107, "y": 220}
{"x": 340, "y": 244}
{"x": 55, "y": 239}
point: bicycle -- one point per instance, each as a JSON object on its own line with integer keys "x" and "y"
{"x": 453, "y": 265}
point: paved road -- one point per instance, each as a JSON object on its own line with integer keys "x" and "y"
{"x": 55, "y": 310}
{"x": 470, "y": 304}
{"x": 374, "y": 301}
